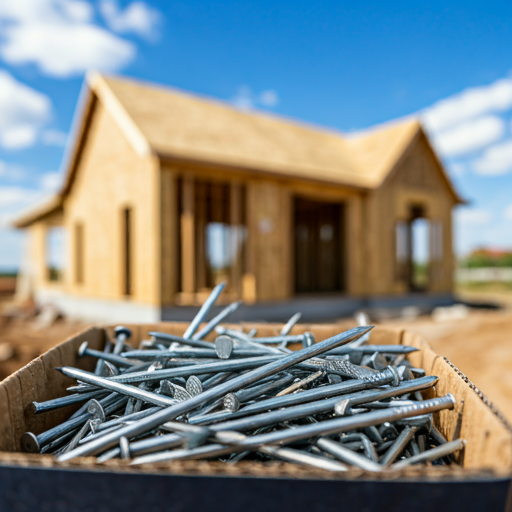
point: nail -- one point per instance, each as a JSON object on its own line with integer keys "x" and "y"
{"x": 303, "y": 458}
{"x": 432, "y": 454}
{"x": 210, "y": 326}
{"x": 57, "y": 403}
{"x": 289, "y": 325}
{"x": 222, "y": 389}
{"x": 300, "y": 383}
{"x": 118, "y": 387}
{"x": 84, "y": 350}
{"x": 302, "y": 432}
{"x": 398, "y": 446}
{"x": 346, "y": 455}
{"x": 205, "y": 308}
{"x": 122, "y": 334}
{"x": 350, "y": 386}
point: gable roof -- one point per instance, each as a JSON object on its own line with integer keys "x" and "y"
{"x": 175, "y": 125}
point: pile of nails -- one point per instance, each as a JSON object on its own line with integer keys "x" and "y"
{"x": 334, "y": 404}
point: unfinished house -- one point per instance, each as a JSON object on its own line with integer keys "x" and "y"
{"x": 168, "y": 193}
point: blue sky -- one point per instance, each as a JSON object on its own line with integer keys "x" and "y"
{"x": 348, "y": 65}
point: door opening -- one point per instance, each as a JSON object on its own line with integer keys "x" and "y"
{"x": 319, "y": 265}
{"x": 413, "y": 249}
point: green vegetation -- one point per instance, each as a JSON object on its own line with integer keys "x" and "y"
{"x": 420, "y": 275}
{"x": 54, "y": 274}
{"x": 8, "y": 274}
{"x": 484, "y": 258}
{"x": 485, "y": 286}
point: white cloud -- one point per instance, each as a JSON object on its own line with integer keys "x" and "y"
{"x": 495, "y": 160}
{"x": 457, "y": 169}
{"x": 269, "y": 98}
{"x": 54, "y": 138}
{"x": 23, "y": 111}
{"x": 47, "y": 10}
{"x": 507, "y": 212}
{"x": 18, "y": 137}
{"x": 473, "y": 217}
{"x": 65, "y": 50}
{"x": 243, "y": 99}
{"x": 59, "y": 37}
{"x": 469, "y": 136}
{"x": 468, "y": 104}
{"x": 246, "y": 99}
{"x": 15, "y": 199}
{"x": 137, "y": 18}
{"x": 13, "y": 173}
{"x": 15, "y": 195}
{"x": 51, "y": 181}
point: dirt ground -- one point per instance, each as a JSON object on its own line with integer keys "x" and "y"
{"x": 480, "y": 344}
{"x": 24, "y": 336}
{"x": 24, "y": 340}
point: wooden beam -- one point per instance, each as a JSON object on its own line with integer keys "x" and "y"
{"x": 200, "y": 199}
{"x": 187, "y": 238}
{"x": 235, "y": 201}
{"x": 249, "y": 288}
{"x": 169, "y": 236}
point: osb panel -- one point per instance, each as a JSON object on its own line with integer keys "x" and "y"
{"x": 110, "y": 178}
{"x": 269, "y": 243}
{"x": 489, "y": 437}
{"x": 417, "y": 180}
{"x": 354, "y": 246}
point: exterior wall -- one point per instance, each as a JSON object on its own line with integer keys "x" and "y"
{"x": 269, "y": 225}
{"x": 354, "y": 234}
{"x": 111, "y": 177}
{"x": 416, "y": 180}
{"x": 269, "y": 254}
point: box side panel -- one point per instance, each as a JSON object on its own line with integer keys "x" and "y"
{"x": 6, "y": 429}
{"x": 39, "y": 381}
{"x": 489, "y": 438}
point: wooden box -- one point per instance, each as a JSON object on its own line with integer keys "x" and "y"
{"x": 40, "y": 483}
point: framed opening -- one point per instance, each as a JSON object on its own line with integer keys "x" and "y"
{"x": 213, "y": 230}
{"x": 127, "y": 264}
{"x": 79, "y": 253}
{"x": 416, "y": 245}
{"x": 319, "y": 247}
{"x": 55, "y": 242}
{"x": 420, "y": 228}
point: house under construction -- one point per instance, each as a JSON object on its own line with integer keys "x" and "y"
{"x": 168, "y": 193}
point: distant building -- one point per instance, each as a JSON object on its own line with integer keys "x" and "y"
{"x": 490, "y": 257}
{"x": 168, "y": 193}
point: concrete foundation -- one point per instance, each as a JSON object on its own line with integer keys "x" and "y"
{"x": 89, "y": 309}
{"x": 324, "y": 309}
{"x": 313, "y": 308}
